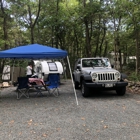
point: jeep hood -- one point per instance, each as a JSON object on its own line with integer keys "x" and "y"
{"x": 98, "y": 70}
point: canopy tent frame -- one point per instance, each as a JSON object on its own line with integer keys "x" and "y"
{"x": 37, "y": 51}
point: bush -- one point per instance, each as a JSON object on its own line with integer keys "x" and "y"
{"x": 134, "y": 77}
{"x": 131, "y": 66}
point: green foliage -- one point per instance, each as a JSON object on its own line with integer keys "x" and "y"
{"x": 74, "y": 25}
{"x": 134, "y": 77}
{"x": 17, "y": 62}
{"x": 131, "y": 66}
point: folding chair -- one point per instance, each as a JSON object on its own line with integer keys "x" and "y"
{"x": 23, "y": 87}
{"x": 53, "y": 84}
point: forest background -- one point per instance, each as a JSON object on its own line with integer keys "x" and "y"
{"x": 84, "y": 28}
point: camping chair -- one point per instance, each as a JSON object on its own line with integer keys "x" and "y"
{"x": 53, "y": 84}
{"x": 23, "y": 87}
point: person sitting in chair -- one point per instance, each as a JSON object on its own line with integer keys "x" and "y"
{"x": 29, "y": 71}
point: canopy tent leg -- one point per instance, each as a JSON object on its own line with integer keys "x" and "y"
{"x": 72, "y": 81}
{"x": 12, "y": 72}
{"x": 65, "y": 76}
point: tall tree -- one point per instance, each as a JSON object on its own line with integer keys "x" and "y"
{"x": 26, "y": 13}
{"x": 5, "y": 24}
{"x": 133, "y": 10}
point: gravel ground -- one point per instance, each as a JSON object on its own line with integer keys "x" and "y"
{"x": 105, "y": 116}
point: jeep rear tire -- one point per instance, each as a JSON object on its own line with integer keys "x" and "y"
{"x": 84, "y": 89}
{"x": 121, "y": 91}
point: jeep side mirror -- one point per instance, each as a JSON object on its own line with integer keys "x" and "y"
{"x": 112, "y": 66}
{"x": 78, "y": 68}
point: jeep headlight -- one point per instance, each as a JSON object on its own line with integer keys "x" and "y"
{"x": 117, "y": 75}
{"x": 94, "y": 75}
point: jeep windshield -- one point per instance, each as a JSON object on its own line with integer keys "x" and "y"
{"x": 93, "y": 63}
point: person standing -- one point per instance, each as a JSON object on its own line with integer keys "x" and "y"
{"x": 29, "y": 70}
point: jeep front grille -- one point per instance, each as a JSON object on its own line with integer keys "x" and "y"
{"x": 106, "y": 76}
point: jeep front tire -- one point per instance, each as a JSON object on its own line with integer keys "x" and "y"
{"x": 84, "y": 89}
{"x": 121, "y": 91}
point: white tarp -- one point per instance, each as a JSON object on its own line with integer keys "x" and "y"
{"x": 6, "y": 73}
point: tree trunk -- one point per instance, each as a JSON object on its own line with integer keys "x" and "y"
{"x": 5, "y": 18}
{"x": 120, "y": 60}
{"x": 87, "y": 39}
{"x": 105, "y": 50}
{"x": 57, "y": 26}
{"x": 5, "y": 35}
{"x": 32, "y": 24}
{"x": 137, "y": 53}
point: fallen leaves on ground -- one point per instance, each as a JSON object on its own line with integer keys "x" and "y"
{"x": 105, "y": 126}
{"x": 58, "y": 129}
{"x": 44, "y": 135}
{"x": 138, "y": 102}
{"x": 12, "y": 121}
{"x": 29, "y": 122}
{"x": 82, "y": 118}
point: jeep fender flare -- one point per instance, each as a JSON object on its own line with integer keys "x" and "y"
{"x": 85, "y": 78}
{"x": 123, "y": 76}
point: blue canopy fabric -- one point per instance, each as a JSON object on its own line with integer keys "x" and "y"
{"x": 33, "y": 51}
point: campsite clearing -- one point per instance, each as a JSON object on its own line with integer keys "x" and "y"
{"x": 105, "y": 116}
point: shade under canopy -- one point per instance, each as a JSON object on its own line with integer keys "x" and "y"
{"x": 36, "y": 51}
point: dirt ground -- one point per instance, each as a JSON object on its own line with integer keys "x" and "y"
{"x": 103, "y": 116}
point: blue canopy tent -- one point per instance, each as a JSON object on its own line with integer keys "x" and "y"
{"x": 33, "y": 51}
{"x": 36, "y": 51}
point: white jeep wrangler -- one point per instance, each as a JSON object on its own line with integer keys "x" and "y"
{"x": 96, "y": 73}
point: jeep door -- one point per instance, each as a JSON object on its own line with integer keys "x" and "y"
{"x": 77, "y": 71}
